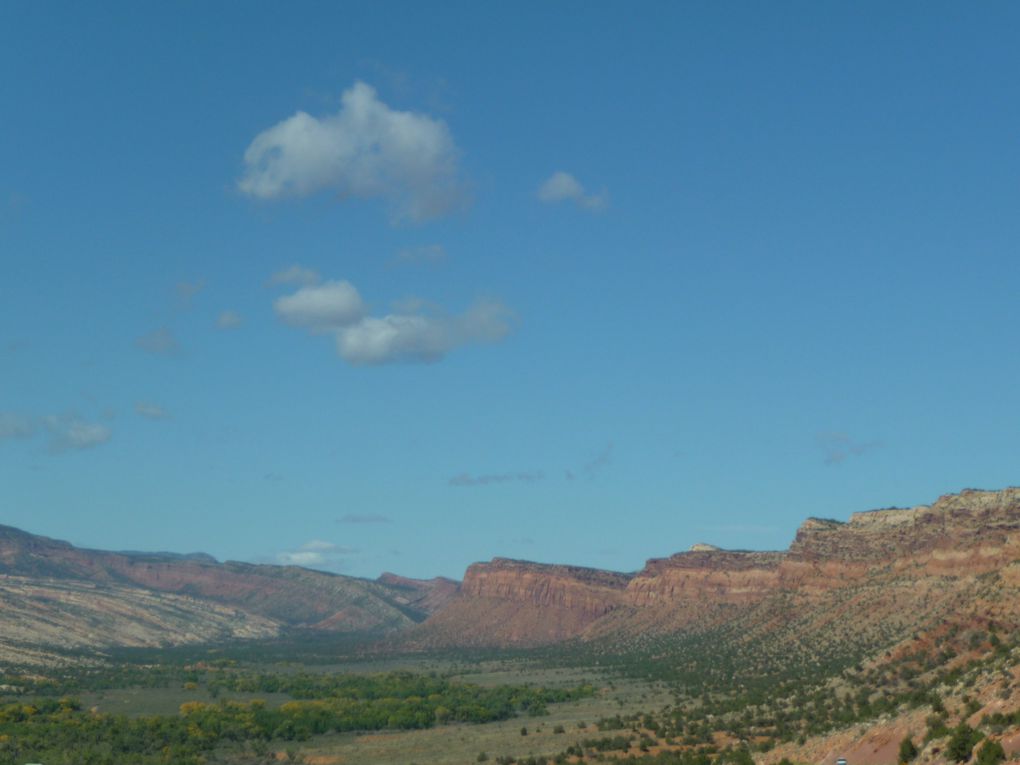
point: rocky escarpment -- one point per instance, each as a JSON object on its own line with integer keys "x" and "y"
{"x": 512, "y": 602}
{"x": 588, "y": 591}
{"x": 959, "y": 535}
{"x": 720, "y": 576}
{"x": 883, "y": 570}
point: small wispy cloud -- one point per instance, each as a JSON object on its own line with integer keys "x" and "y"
{"x": 564, "y": 187}
{"x": 599, "y": 462}
{"x": 186, "y": 291}
{"x": 839, "y": 447}
{"x": 466, "y": 479}
{"x": 229, "y": 320}
{"x": 295, "y": 275}
{"x": 160, "y": 341}
{"x": 428, "y": 255}
{"x": 16, "y": 426}
{"x": 363, "y": 518}
{"x": 151, "y": 411}
{"x": 71, "y": 432}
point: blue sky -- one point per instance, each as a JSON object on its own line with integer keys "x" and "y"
{"x": 402, "y": 286}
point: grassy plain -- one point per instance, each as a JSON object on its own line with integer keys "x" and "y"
{"x": 462, "y": 743}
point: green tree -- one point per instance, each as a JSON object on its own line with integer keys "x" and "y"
{"x": 908, "y": 751}
{"x": 962, "y": 742}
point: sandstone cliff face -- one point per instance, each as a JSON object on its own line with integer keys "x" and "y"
{"x": 964, "y": 534}
{"x": 872, "y": 571}
{"x": 511, "y": 602}
{"x": 591, "y": 592}
{"x": 719, "y": 576}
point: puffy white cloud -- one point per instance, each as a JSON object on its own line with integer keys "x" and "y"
{"x": 420, "y": 337}
{"x": 563, "y": 187}
{"x": 321, "y": 307}
{"x": 411, "y": 333}
{"x": 296, "y": 275}
{"x": 151, "y": 411}
{"x": 160, "y": 341}
{"x": 229, "y": 320}
{"x": 366, "y": 150}
{"x": 72, "y": 432}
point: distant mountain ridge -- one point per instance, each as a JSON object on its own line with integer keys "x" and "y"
{"x": 888, "y": 572}
{"x": 55, "y": 594}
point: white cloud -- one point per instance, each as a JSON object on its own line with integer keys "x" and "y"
{"x": 72, "y": 432}
{"x": 16, "y": 426}
{"x": 321, "y": 307}
{"x": 420, "y": 337}
{"x": 229, "y": 320}
{"x": 411, "y": 333}
{"x": 296, "y": 275}
{"x": 366, "y": 150}
{"x": 151, "y": 411}
{"x": 160, "y": 341}
{"x": 563, "y": 187}
{"x": 316, "y": 553}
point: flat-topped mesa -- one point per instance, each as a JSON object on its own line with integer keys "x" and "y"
{"x": 589, "y": 590}
{"x": 706, "y": 573}
{"x": 961, "y": 533}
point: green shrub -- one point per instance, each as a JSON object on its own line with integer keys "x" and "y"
{"x": 990, "y": 753}
{"x": 962, "y": 742}
{"x": 908, "y": 751}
